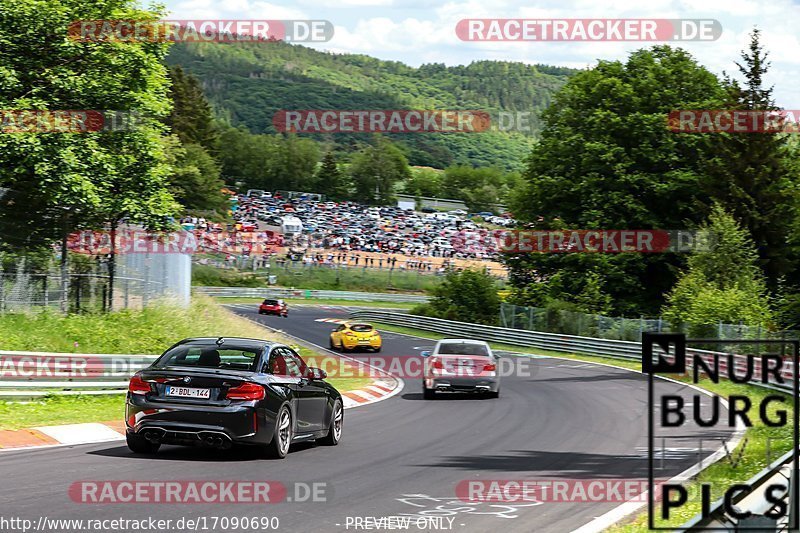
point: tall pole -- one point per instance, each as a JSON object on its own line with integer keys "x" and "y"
{"x": 64, "y": 272}
{"x": 112, "y": 263}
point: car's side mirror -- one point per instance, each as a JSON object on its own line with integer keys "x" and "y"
{"x": 316, "y": 373}
{"x": 425, "y": 353}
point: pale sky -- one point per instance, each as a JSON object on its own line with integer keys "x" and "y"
{"x": 423, "y": 31}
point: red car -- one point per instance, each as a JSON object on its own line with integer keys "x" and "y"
{"x": 274, "y": 307}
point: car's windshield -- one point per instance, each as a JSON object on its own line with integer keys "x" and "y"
{"x": 210, "y": 356}
{"x": 463, "y": 348}
{"x": 270, "y": 302}
{"x": 361, "y": 328}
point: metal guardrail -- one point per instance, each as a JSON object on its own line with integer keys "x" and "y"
{"x": 618, "y": 349}
{"x": 28, "y": 375}
{"x": 272, "y": 292}
{"x": 717, "y": 519}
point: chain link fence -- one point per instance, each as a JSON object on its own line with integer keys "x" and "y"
{"x": 617, "y": 328}
{"x": 87, "y": 284}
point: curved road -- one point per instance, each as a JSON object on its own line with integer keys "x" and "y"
{"x": 400, "y": 457}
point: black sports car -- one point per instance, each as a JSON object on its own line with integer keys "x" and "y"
{"x": 217, "y": 392}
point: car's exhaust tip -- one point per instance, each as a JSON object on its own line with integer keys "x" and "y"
{"x": 213, "y": 439}
{"x": 153, "y": 435}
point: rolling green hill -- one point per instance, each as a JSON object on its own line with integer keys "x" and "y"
{"x": 247, "y": 83}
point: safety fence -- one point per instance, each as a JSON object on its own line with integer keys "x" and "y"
{"x": 92, "y": 284}
{"x": 619, "y": 328}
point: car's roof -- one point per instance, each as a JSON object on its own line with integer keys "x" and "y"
{"x": 462, "y": 341}
{"x": 350, "y": 323}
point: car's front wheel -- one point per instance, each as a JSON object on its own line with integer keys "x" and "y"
{"x": 139, "y": 444}
{"x": 335, "y": 429}
{"x": 330, "y": 343}
{"x": 282, "y": 439}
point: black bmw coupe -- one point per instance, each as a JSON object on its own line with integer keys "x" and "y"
{"x": 217, "y": 392}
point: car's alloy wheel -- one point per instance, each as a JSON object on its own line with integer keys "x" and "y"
{"x": 279, "y": 447}
{"x": 335, "y": 429}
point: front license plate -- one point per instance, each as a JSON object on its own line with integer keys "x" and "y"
{"x": 363, "y": 342}
{"x": 188, "y": 392}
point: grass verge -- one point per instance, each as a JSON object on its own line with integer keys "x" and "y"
{"x": 320, "y": 278}
{"x": 761, "y": 444}
{"x": 57, "y": 410}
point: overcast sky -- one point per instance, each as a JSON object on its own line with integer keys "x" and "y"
{"x": 423, "y": 31}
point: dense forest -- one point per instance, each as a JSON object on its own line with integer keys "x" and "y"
{"x": 247, "y": 84}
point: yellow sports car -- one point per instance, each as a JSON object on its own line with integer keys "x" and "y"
{"x": 352, "y": 335}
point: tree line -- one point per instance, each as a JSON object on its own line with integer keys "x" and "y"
{"x": 606, "y": 160}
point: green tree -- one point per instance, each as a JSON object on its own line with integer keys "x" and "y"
{"x": 376, "y": 169}
{"x": 424, "y": 182}
{"x": 756, "y": 176}
{"x": 330, "y": 181}
{"x": 467, "y": 296}
{"x": 606, "y": 161}
{"x": 479, "y": 188}
{"x": 722, "y": 284}
{"x": 296, "y": 161}
{"x": 67, "y": 181}
{"x": 192, "y": 118}
{"x": 195, "y": 180}
{"x": 248, "y": 159}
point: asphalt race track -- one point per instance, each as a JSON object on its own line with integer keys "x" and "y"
{"x": 400, "y": 457}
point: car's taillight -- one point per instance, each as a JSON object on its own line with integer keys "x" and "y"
{"x": 138, "y": 386}
{"x": 490, "y": 367}
{"x": 246, "y": 391}
{"x": 436, "y": 363}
